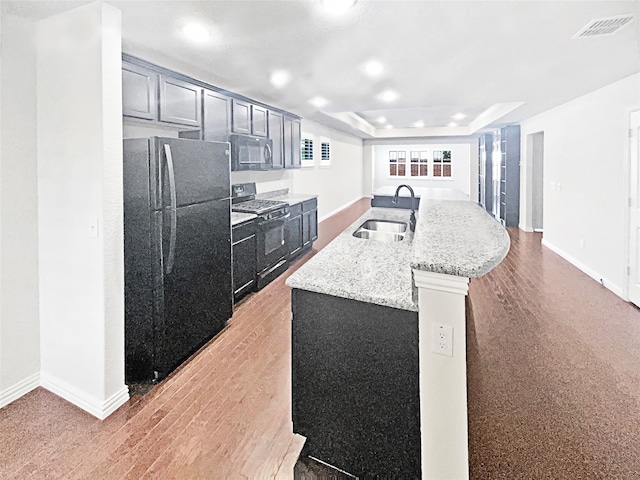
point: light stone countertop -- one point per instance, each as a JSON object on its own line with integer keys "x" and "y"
{"x": 239, "y": 217}
{"x": 290, "y": 198}
{"x": 453, "y": 237}
{"x": 457, "y": 238}
{"x": 365, "y": 270}
{"x": 439, "y": 193}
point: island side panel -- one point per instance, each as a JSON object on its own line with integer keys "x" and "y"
{"x": 355, "y": 384}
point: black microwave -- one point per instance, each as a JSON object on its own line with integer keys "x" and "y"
{"x": 249, "y": 152}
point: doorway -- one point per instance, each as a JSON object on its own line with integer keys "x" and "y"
{"x": 633, "y": 271}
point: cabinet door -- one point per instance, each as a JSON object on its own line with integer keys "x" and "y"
{"x": 276, "y": 136}
{"x": 241, "y": 118}
{"x": 295, "y": 234}
{"x": 258, "y": 121}
{"x": 139, "y": 87}
{"x": 244, "y": 265}
{"x": 217, "y": 116}
{"x": 180, "y": 102}
{"x": 313, "y": 225}
{"x": 292, "y": 136}
{"x": 295, "y": 140}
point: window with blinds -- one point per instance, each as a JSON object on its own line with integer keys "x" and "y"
{"x": 325, "y": 152}
{"x": 306, "y": 149}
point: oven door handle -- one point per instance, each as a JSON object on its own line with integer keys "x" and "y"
{"x": 274, "y": 220}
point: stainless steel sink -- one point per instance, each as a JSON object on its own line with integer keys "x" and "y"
{"x": 385, "y": 226}
{"x": 381, "y": 230}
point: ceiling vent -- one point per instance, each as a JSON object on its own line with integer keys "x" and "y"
{"x": 603, "y": 26}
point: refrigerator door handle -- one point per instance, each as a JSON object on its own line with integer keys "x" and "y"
{"x": 172, "y": 208}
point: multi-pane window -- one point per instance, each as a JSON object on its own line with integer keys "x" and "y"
{"x": 419, "y": 163}
{"x": 306, "y": 149}
{"x": 442, "y": 163}
{"x": 325, "y": 152}
{"x": 402, "y": 163}
{"x": 393, "y": 163}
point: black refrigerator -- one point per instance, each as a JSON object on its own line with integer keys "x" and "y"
{"x": 177, "y": 251}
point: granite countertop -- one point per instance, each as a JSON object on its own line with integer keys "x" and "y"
{"x": 239, "y": 217}
{"x": 438, "y": 193}
{"x": 457, "y": 238}
{"x": 453, "y": 237}
{"x": 284, "y": 196}
{"x": 366, "y": 270}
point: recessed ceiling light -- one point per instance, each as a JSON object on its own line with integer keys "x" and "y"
{"x": 196, "y": 32}
{"x": 389, "y": 95}
{"x": 453, "y": 124}
{"x": 459, "y": 116}
{"x": 318, "y": 102}
{"x": 419, "y": 124}
{"x": 373, "y": 68}
{"x": 381, "y": 120}
{"x": 280, "y": 78}
{"x": 389, "y": 126}
{"x": 338, "y": 7}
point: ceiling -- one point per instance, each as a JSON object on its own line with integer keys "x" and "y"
{"x": 496, "y": 62}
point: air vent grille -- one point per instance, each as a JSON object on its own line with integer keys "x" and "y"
{"x": 603, "y": 26}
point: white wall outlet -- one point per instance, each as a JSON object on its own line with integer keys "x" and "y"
{"x": 442, "y": 339}
{"x": 582, "y": 243}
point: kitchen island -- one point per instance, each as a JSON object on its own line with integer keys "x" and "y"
{"x": 368, "y": 392}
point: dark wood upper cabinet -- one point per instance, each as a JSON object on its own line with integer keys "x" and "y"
{"x": 275, "y": 131}
{"x": 292, "y": 136}
{"x": 258, "y": 121}
{"x": 216, "y": 116}
{"x": 139, "y": 87}
{"x": 241, "y": 118}
{"x": 180, "y": 102}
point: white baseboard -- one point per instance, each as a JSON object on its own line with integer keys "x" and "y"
{"x": 525, "y": 228}
{"x": 347, "y": 205}
{"x": 19, "y": 389}
{"x": 88, "y": 403}
{"x": 581, "y": 266}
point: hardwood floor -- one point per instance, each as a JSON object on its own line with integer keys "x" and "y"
{"x": 553, "y": 372}
{"x": 226, "y": 413}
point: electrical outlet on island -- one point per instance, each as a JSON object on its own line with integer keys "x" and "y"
{"x": 442, "y": 339}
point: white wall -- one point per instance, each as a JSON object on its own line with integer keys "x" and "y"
{"x": 19, "y": 322}
{"x": 462, "y": 159}
{"x": 336, "y": 185}
{"x": 79, "y": 118}
{"x": 585, "y": 152}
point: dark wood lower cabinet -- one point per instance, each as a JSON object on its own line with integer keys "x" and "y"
{"x": 355, "y": 385}
{"x": 244, "y": 259}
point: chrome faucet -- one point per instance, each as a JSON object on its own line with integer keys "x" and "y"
{"x": 412, "y": 217}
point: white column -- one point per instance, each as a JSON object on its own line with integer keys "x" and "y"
{"x": 443, "y": 378}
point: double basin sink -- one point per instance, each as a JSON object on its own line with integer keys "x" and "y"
{"x": 382, "y": 230}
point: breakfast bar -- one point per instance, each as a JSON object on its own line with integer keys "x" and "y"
{"x": 376, "y": 390}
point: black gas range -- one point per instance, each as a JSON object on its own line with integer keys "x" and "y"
{"x": 271, "y": 230}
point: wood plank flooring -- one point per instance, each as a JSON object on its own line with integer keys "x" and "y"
{"x": 553, "y": 371}
{"x": 226, "y": 413}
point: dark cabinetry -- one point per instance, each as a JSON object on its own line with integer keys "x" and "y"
{"x": 139, "y": 87}
{"x": 249, "y": 119}
{"x": 303, "y": 226}
{"x": 499, "y": 174}
{"x": 216, "y": 116}
{"x": 244, "y": 258}
{"x": 355, "y": 384}
{"x": 275, "y": 133}
{"x": 160, "y": 97}
{"x": 510, "y": 175}
{"x": 180, "y": 102}
{"x": 292, "y": 134}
